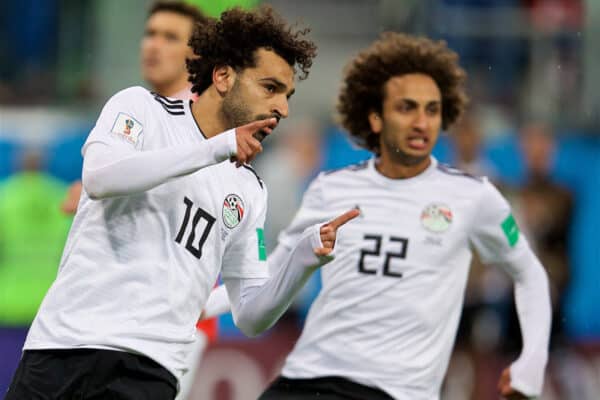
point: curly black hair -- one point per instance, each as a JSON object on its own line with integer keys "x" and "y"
{"x": 395, "y": 54}
{"x": 234, "y": 38}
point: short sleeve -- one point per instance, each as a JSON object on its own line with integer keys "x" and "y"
{"x": 121, "y": 122}
{"x": 246, "y": 254}
{"x": 312, "y": 211}
{"x": 495, "y": 234}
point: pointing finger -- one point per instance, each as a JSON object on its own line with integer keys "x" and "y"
{"x": 344, "y": 218}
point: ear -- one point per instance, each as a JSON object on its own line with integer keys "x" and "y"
{"x": 375, "y": 122}
{"x": 223, "y": 78}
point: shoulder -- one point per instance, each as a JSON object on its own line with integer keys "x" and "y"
{"x": 351, "y": 169}
{"x": 139, "y": 98}
{"x": 131, "y": 94}
{"x": 171, "y": 105}
{"x": 253, "y": 176}
{"x": 449, "y": 170}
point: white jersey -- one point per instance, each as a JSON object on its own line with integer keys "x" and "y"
{"x": 137, "y": 269}
{"x": 389, "y": 307}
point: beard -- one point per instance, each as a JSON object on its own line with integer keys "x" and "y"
{"x": 235, "y": 110}
{"x": 390, "y": 146}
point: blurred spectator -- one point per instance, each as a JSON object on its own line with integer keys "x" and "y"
{"x": 32, "y": 235}
{"x": 577, "y": 166}
{"x": 545, "y": 211}
{"x": 467, "y": 137}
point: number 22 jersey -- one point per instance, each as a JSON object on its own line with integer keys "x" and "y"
{"x": 390, "y": 302}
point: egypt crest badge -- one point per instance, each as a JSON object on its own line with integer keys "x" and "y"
{"x": 436, "y": 218}
{"x": 233, "y": 210}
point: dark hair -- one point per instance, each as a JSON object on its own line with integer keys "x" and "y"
{"x": 395, "y": 54}
{"x": 234, "y": 38}
{"x": 178, "y": 7}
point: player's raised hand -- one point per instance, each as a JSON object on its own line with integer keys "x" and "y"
{"x": 505, "y": 389}
{"x": 329, "y": 231}
{"x": 248, "y": 139}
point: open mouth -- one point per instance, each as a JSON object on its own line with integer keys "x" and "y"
{"x": 418, "y": 142}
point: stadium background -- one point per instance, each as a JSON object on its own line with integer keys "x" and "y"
{"x": 533, "y": 127}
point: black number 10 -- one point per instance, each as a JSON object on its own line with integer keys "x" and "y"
{"x": 200, "y": 214}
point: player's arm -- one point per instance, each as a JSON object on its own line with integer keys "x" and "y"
{"x": 499, "y": 242}
{"x": 311, "y": 212}
{"x": 256, "y": 304}
{"x": 116, "y": 165}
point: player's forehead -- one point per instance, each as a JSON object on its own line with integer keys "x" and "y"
{"x": 172, "y": 22}
{"x": 417, "y": 87}
{"x": 269, "y": 64}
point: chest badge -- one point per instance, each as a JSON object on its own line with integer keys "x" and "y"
{"x": 436, "y": 217}
{"x": 233, "y": 210}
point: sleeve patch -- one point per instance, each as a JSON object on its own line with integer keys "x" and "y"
{"x": 127, "y": 127}
{"x": 262, "y": 250}
{"x": 511, "y": 230}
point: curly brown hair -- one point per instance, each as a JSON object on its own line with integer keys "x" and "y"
{"x": 234, "y": 38}
{"x": 395, "y": 54}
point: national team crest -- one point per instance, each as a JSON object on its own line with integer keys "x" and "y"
{"x": 233, "y": 210}
{"x": 436, "y": 218}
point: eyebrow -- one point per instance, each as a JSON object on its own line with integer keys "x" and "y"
{"x": 280, "y": 85}
{"x": 414, "y": 102}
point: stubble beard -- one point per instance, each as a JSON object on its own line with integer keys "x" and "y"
{"x": 396, "y": 155}
{"x": 233, "y": 113}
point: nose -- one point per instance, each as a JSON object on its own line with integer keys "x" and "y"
{"x": 281, "y": 107}
{"x": 421, "y": 121}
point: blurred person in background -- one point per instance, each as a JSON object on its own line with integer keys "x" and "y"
{"x": 385, "y": 320}
{"x": 118, "y": 320}
{"x": 163, "y": 53}
{"x": 32, "y": 235}
{"x": 467, "y": 140}
{"x": 545, "y": 210}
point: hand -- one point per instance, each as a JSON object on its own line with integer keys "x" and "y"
{"x": 329, "y": 230}
{"x": 70, "y": 203}
{"x": 505, "y": 390}
{"x": 248, "y": 139}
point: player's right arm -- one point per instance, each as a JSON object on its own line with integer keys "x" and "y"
{"x": 311, "y": 212}
{"x": 259, "y": 290}
{"x": 115, "y": 163}
{"x": 256, "y": 304}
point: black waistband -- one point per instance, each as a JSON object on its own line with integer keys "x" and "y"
{"x": 338, "y": 385}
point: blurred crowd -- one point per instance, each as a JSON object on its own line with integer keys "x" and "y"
{"x": 527, "y": 130}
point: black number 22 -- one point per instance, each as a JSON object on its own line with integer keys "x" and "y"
{"x": 200, "y": 214}
{"x": 388, "y": 255}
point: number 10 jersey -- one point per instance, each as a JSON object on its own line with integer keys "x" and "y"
{"x": 137, "y": 269}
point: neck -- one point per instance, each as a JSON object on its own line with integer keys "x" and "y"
{"x": 206, "y": 112}
{"x": 393, "y": 169}
{"x": 170, "y": 89}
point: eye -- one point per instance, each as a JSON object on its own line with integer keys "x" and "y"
{"x": 270, "y": 88}
{"x": 404, "y": 107}
{"x": 433, "y": 110}
{"x": 171, "y": 37}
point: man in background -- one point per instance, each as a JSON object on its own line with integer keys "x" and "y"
{"x": 163, "y": 51}
{"x": 32, "y": 234}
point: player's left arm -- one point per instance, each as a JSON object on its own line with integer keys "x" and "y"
{"x": 497, "y": 239}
